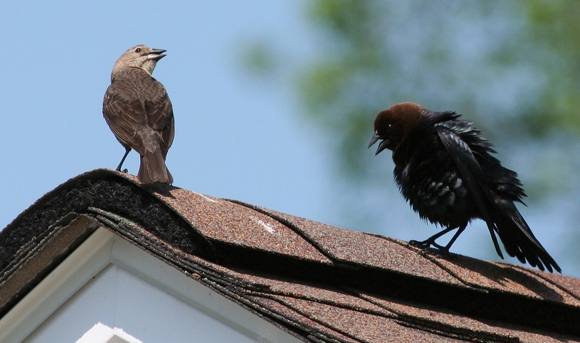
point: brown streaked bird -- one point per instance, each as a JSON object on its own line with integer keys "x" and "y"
{"x": 446, "y": 171}
{"x": 139, "y": 112}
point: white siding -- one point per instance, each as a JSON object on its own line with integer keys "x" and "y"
{"x": 117, "y": 298}
{"x": 108, "y": 280}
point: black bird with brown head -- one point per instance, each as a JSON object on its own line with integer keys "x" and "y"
{"x": 446, "y": 171}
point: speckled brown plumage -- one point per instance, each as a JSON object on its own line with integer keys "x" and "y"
{"x": 138, "y": 110}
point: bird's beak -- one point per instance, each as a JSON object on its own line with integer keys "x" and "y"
{"x": 374, "y": 139}
{"x": 382, "y": 145}
{"x": 156, "y": 54}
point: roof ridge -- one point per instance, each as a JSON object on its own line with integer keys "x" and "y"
{"x": 256, "y": 256}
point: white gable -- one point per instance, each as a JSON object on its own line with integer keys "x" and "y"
{"x": 140, "y": 298}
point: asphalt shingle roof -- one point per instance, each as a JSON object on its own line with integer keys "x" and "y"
{"x": 318, "y": 282}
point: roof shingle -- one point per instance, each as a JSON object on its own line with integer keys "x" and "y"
{"x": 318, "y": 282}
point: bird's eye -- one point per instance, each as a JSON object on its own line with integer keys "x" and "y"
{"x": 138, "y": 50}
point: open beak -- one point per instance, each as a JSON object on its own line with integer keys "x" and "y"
{"x": 382, "y": 145}
{"x": 374, "y": 139}
{"x": 156, "y": 54}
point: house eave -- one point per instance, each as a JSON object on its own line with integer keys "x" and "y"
{"x": 104, "y": 248}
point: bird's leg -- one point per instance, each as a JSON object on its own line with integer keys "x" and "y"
{"x": 431, "y": 240}
{"x": 459, "y": 231}
{"x": 123, "y": 160}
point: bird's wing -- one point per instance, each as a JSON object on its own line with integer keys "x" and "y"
{"x": 472, "y": 175}
{"x": 134, "y": 111}
{"x": 160, "y": 115}
{"x": 124, "y": 116}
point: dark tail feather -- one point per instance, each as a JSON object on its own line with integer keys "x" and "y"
{"x": 520, "y": 242}
{"x": 153, "y": 168}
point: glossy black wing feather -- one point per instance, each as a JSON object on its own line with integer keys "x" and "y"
{"x": 468, "y": 150}
{"x": 472, "y": 175}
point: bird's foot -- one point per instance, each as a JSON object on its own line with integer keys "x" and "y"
{"x": 123, "y": 171}
{"x": 430, "y": 243}
{"x": 420, "y": 244}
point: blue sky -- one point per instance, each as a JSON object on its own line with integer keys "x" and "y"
{"x": 236, "y": 137}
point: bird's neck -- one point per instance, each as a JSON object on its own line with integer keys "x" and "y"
{"x": 149, "y": 66}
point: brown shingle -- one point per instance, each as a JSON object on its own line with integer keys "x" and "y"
{"x": 228, "y": 222}
{"x": 365, "y": 249}
{"x": 318, "y": 282}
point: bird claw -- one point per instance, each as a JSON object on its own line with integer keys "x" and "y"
{"x": 428, "y": 243}
{"x": 418, "y": 244}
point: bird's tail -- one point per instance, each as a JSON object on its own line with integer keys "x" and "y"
{"x": 153, "y": 168}
{"x": 519, "y": 241}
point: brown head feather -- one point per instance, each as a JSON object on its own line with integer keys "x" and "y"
{"x": 395, "y": 123}
{"x": 139, "y": 56}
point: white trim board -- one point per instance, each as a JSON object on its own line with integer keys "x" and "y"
{"x": 103, "y": 249}
{"x": 100, "y": 333}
